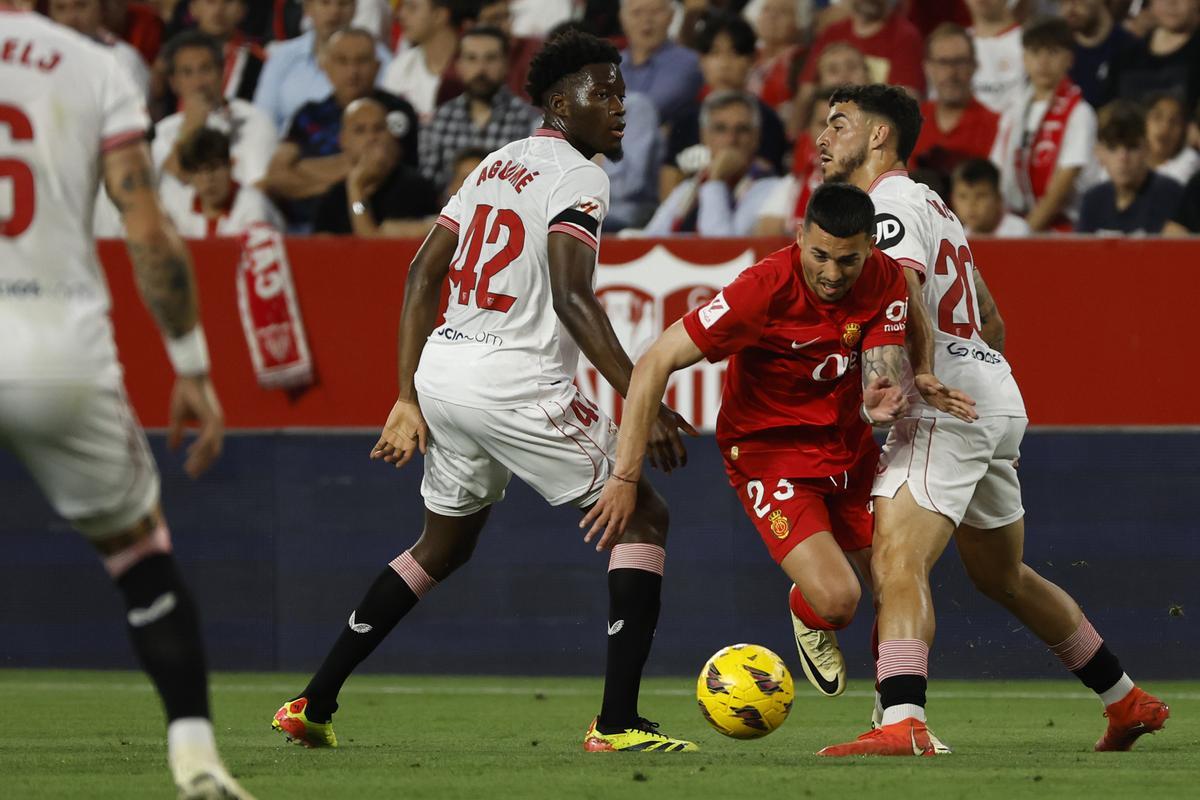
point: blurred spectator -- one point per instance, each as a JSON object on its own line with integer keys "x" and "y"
{"x": 878, "y": 29}
{"x": 975, "y": 198}
{"x": 1048, "y": 135}
{"x": 280, "y": 20}
{"x": 243, "y": 59}
{"x": 521, "y": 49}
{"x": 309, "y": 160}
{"x": 842, "y": 64}
{"x": 465, "y": 163}
{"x": 431, "y": 28}
{"x": 633, "y": 181}
{"x": 957, "y": 126}
{"x": 1166, "y": 139}
{"x": 1168, "y": 60}
{"x": 486, "y": 115}
{"x": 726, "y": 44}
{"x": 773, "y": 77}
{"x": 1098, "y": 40}
{"x": 927, "y": 16}
{"x": 999, "y": 76}
{"x": 667, "y": 73}
{"x": 87, "y": 16}
{"x": 293, "y": 75}
{"x": 538, "y": 17}
{"x": 1135, "y": 199}
{"x": 193, "y": 65}
{"x": 214, "y": 204}
{"x": 1186, "y": 219}
{"x": 727, "y": 191}
{"x": 139, "y": 24}
{"x": 785, "y": 207}
{"x": 375, "y": 16}
{"x": 380, "y": 195}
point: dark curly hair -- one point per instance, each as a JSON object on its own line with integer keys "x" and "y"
{"x": 893, "y": 104}
{"x": 563, "y": 55}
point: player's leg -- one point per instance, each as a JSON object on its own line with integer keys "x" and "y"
{"x": 85, "y": 450}
{"x": 461, "y": 482}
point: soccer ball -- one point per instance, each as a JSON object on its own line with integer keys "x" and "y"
{"x": 745, "y": 691}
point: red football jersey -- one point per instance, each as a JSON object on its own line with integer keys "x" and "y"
{"x": 793, "y": 387}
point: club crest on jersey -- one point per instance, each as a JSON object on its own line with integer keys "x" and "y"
{"x": 779, "y": 524}
{"x": 590, "y": 206}
{"x": 889, "y": 231}
{"x": 851, "y": 334}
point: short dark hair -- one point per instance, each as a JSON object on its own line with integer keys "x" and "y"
{"x": 1045, "y": 33}
{"x": 893, "y": 104}
{"x": 460, "y": 10}
{"x": 732, "y": 25}
{"x": 1121, "y": 123}
{"x": 947, "y": 30}
{"x": 564, "y": 55}
{"x": 841, "y": 210}
{"x": 203, "y": 148}
{"x": 486, "y": 30}
{"x": 977, "y": 170}
{"x": 187, "y": 40}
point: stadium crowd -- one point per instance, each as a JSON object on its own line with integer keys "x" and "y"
{"x": 362, "y": 118}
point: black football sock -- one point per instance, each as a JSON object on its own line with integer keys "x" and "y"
{"x": 1101, "y": 672}
{"x": 385, "y": 604}
{"x": 634, "y": 602}
{"x": 900, "y": 690}
{"x": 165, "y": 630}
{"x": 1085, "y": 654}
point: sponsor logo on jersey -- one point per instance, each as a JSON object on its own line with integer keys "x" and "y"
{"x": 966, "y": 351}
{"x": 779, "y": 524}
{"x": 455, "y": 335}
{"x": 851, "y": 334}
{"x": 834, "y": 366}
{"x": 889, "y": 231}
{"x": 801, "y": 345}
{"x": 716, "y": 308}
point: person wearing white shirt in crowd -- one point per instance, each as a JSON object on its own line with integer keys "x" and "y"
{"x": 431, "y": 28}
{"x": 539, "y": 17}
{"x": 193, "y": 62}
{"x": 976, "y": 200}
{"x": 214, "y": 204}
{"x": 999, "y": 76}
{"x": 374, "y": 16}
{"x": 87, "y": 17}
{"x": 1166, "y": 136}
{"x": 727, "y": 192}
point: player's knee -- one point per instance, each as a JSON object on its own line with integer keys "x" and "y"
{"x": 440, "y": 559}
{"x": 999, "y": 583}
{"x": 651, "y": 521}
{"x": 124, "y": 550}
{"x": 836, "y": 604}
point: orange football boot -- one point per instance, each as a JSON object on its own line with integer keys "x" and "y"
{"x": 908, "y": 737}
{"x": 1138, "y": 713}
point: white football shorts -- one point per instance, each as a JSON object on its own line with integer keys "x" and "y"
{"x": 562, "y": 448}
{"x": 85, "y": 449}
{"x": 966, "y": 472}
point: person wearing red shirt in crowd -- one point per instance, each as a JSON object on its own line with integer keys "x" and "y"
{"x": 958, "y": 126}
{"x": 814, "y": 334}
{"x": 774, "y": 74}
{"x": 137, "y": 23}
{"x": 929, "y": 16}
{"x": 498, "y": 14}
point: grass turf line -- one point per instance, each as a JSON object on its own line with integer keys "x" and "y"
{"x": 100, "y": 735}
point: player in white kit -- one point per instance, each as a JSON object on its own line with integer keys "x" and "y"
{"x": 489, "y": 394}
{"x": 941, "y": 476}
{"x": 69, "y": 114}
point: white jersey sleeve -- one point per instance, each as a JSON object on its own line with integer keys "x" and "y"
{"x": 124, "y": 111}
{"x": 903, "y": 232}
{"x": 578, "y": 204}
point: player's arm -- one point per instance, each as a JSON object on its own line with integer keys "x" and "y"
{"x": 882, "y": 373}
{"x": 673, "y": 351}
{"x": 163, "y": 269}
{"x": 404, "y": 432}
{"x": 991, "y": 324}
{"x": 919, "y": 339}
{"x": 572, "y": 264}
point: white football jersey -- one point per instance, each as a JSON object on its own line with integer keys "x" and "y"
{"x": 914, "y": 226}
{"x": 502, "y": 345}
{"x": 64, "y": 100}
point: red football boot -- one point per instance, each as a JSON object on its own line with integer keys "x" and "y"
{"x": 1131, "y": 717}
{"x": 907, "y": 737}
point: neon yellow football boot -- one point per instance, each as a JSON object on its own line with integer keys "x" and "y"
{"x": 299, "y": 729}
{"x": 642, "y": 738}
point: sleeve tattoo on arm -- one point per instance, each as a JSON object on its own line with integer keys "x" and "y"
{"x": 991, "y": 327}
{"x": 886, "y": 361}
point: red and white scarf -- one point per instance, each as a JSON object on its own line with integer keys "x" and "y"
{"x": 1037, "y": 156}
{"x": 270, "y": 314}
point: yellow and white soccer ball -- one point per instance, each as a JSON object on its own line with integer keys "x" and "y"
{"x": 745, "y": 691}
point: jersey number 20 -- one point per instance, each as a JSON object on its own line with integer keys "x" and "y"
{"x": 17, "y": 172}
{"x": 959, "y": 258}
{"x": 463, "y": 273}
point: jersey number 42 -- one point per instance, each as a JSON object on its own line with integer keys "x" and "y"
{"x": 466, "y": 276}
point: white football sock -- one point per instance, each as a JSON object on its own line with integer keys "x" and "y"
{"x": 1119, "y": 691}
{"x": 901, "y": 712}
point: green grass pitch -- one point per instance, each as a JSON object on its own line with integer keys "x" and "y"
{"x": 68, "y": 734}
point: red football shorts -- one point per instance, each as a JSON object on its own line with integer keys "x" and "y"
{"x": 786, "y": 511}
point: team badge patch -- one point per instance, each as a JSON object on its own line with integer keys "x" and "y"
{"x": 851, "y": 334}
{"x": 590, "y": 206}
{"x": 716, "y": 308}
{"x": 889, "y": 231}
{"x": 779, "y": 524}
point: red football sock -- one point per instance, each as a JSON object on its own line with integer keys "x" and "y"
{"x": 803, "y": 610}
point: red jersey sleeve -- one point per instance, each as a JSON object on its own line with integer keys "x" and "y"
{"x": 889, "y": 325}
{"x": 734, "y": 319}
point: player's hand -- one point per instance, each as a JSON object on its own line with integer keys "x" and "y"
{"x": 194, "y": 400}
{"x": 944, "y": 398}
{"x": 664, "y": 448}
{"x": 883, "y": 401}
{"x": 611, "y": 513}
{"x": 403, "y": 435}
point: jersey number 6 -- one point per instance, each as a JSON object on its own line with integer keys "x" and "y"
{"x": 20, "y": 129}
{"x": 462, "y": 270}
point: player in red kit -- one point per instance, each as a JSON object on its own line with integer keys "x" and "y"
{"x": 795, "y": 422}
